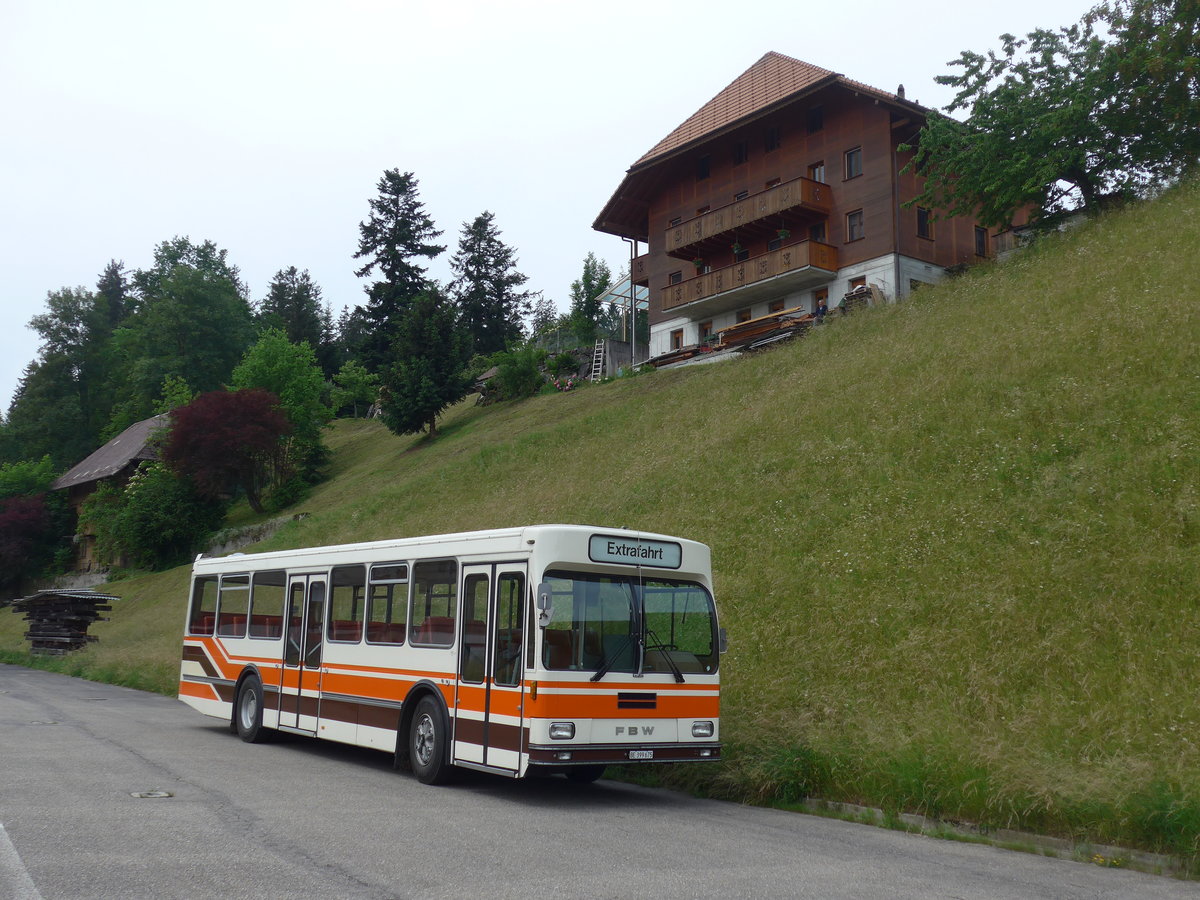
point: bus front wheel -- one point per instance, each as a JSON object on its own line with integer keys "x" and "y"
{"x": 427, "y": 743}
{"x": 248, "y": 712}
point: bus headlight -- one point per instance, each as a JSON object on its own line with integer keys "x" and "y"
{"x": 564, "y": 731}
{"x": 702, "y": 729}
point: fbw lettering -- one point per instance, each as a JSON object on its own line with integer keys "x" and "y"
{"x": 634, "y": 730}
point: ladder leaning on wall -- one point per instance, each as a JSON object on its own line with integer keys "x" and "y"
{"x": 598, "y": 360}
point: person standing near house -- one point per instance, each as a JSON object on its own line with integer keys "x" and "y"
{"x": 822, "y": 309}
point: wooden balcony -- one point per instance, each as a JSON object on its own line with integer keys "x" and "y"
{"x": 796, "y": 267}
{"x": 785, "y": 205}
{"x": 641, "y": 269}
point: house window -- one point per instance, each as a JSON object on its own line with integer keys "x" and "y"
{"x": 675, "y": 277}
{"x": 925, "y": 225}
{"x": 854, "y": 226}
{"x": 771, "y": 140}
{"x": 774, "y": 244}
{"x": 817, "y": 171}
{"x": 860, "y": 281}
{"x": 677, "y": 339}
{"x": 853, "y": 163}
{"x": 706, "y": 329}
{"x": 703, "y": 167}
{"x": 741, "y": 195}
{"x": 702, "y": 210}
{"x": 740, "y": 152}
{"x": 770, "y": 184}
{"x": 816, "y": 119}
{"x": 675, "y": 221}
{"x": 740, "y": 253}
{"x": 743, "y": 315}
{"x": 981, "y": 241}
{"x": 817, "y": 232}
{"x": 775, "y": 306}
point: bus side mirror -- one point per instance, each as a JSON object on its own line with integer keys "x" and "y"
{"x": 723, "y": 640}
{"x": 545, "y": 603}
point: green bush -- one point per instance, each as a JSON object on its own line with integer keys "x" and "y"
{"x": 155, "y": 521}
{"x": 520, "y": 373}
{"x": 561, "y": 364}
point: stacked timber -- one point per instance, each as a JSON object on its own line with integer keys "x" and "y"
{"x": 766, "y": 329}
{"x": 59, "y": 620}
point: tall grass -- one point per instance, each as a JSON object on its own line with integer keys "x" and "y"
{"x": 955, "y": 539}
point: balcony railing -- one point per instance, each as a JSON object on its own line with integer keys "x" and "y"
{"x": 803, "y": 255}
{"x": 641, "y": 269}
{"x": 763, "y": 209}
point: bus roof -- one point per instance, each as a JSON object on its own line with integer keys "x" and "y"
{"x": 491, "y": 541}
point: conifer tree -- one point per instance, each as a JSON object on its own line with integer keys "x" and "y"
{"x": 395, "y": 237}
{"x": 293, "y": 304}
{"x": 430, "y": 353}
{"x": 487, "y": 286}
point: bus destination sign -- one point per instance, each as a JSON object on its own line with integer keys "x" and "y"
{"x": 604, "y": 548}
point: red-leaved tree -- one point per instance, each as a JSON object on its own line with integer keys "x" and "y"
{"x": 24, "y": 524}
{"x": 228, "y": 439}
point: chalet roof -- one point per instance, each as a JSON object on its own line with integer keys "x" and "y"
{"x": 765, "y": 83}
{"x": 774, "y": 81}
{"x": 131, "y": 444}
{"x": 774, "y": 78}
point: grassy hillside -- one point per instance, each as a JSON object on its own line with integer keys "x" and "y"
{"x": 956, "y": 540}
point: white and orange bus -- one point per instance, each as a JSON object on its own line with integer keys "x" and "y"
{"x": 551, "y": 648}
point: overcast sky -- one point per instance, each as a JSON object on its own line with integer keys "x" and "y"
{"x": 264, "y": 125}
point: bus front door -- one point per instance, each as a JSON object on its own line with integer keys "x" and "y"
{"x": 489, "y": 725}
{"x": 300, "y": 685}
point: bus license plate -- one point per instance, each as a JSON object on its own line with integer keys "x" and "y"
{"x": 641, "y": 754}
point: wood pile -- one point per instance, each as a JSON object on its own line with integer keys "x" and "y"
{"x": 749, "y": 335}
{"x": 766, "y": 329}
{"x": 59, "y": 620}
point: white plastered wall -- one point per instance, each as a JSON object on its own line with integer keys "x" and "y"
{"x": 880, "y": 272}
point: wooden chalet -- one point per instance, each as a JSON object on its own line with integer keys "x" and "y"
{"x": 116, "y": 461}
{"x": 784, "y": 189}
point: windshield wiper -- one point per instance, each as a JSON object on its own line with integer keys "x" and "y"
{"x": 666, "y": 653}
{"x": 608, "y": 663}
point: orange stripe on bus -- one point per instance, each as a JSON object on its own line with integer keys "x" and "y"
{"x": 198, "y": 689}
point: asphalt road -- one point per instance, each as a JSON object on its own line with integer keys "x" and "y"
{"x": 300, "y": 818}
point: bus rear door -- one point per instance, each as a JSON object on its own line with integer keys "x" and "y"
{"x": 300, "y": 686}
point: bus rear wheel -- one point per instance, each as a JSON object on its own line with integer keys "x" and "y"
{"x": 248, "y": 712}
{"x": 427, "y": 743}
{"x": 584, "y": 774}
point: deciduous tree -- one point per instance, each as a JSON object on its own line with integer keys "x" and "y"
{"x": 585, "y": 293}
{"x": 225, "y": 440}
{"x": 1068, "y": 118}
{"x": 355, "y": 388}
{"x": 192, "y": 321}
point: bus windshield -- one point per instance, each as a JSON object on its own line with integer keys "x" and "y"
{"x": 619, "y": 623}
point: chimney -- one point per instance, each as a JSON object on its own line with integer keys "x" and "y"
{"x": 900, "y": 92}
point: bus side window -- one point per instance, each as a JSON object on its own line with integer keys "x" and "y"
{"x": 434, "y": 602}
{"x": 203, "y": 618}
{"x": 235, "y": 597}
{"x": 347, "y": 603}
{"x": 266, "y": 604}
